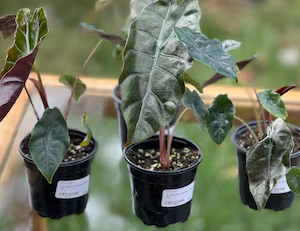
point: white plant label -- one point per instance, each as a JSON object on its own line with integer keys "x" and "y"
{"x": 177, "y": 197}
{"x": 68, "y": 189}
{"x": 281, "y": 187}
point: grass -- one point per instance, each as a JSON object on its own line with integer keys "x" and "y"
{"x": 267, "y": 28}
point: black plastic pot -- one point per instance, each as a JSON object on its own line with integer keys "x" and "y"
{"x": 154, "y": 193}
{"x": 122, "y": 124}
{"x": 277, "y": 201}
{"x": 68, "y": 193}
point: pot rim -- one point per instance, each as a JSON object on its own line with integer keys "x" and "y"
{"x": 252, "y": 124}
{"x": 167, "y": 172}
{"x": 69, "y": 163}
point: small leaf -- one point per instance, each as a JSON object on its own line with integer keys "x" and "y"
{"x": 293, "y": 180}
{"x": 89, "y": 134}
{"x": 8, "y": 25}
{"x": 101, "y": 4}
{"x": 190, "y": 80}
{"x": 193, "y": 101}
{"x": 49, "y": 142}
{"x": 40, "y": 91}
{"x": 220, "y": 118}
{"x": 228, "y": 45}
{"x": 31, "y": 29}
{"x": 285, "y": 89}
{"x": 109, "y": 37}
{"x": 218, "y": 76}
{"x": 69, "y": 80}
{"x": 268, "y": 161}
{"x": 207, "y": 51}
{"x": 272, "y": 102}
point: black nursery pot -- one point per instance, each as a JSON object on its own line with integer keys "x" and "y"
{"x": 68, "y": 193}
{"x": 122, "y": 124}
{"x": 281, "y": 197}
{"x": 161, "y": 198}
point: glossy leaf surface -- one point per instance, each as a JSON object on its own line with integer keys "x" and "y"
{"x": 193, "y": 101}
{"x": 151, "y": 82}
{"x": 272, "y": 102}
{"x": 31, "y": 29}
{"x": 69, "y": 81}
{"x": 49, "y": 142}
{"x": 269, "y": 160}
{"x": 293, "y": 180}
{"x": 207, "y": 51}
{"x": 220, "y": 118}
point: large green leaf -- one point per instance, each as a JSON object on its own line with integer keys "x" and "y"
{"x": 31, "y": 29}
{"x": 269, "y": 160}
{"x": 293, "y": 180}
{"x": 207, "y": 51}
{"x": 193, "y": 101}
{"x": 220, "y": 118}
{"x": 49, "y": 142}
{"x": 69, "y": 80}
{"x": 272, "y": 102}
{"x": 136, "y": 8}
{"x": 151, "y": 82}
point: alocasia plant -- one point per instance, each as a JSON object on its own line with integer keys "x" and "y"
{"x": 49, "y": 140}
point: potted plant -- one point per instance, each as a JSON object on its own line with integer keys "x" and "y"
{"x": 163, "y": 40}
{"x": 266, "y": 153}
{"x": 57, "y": 159}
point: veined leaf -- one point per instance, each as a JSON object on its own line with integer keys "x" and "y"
{"x": 293, "y": 180}
{"x": 218, "y": 76}
{"x": 220, "y": 118}
{"x": 31, "y": 29}
{"x": 190, "y": 80}
{"x": 109, "y": 37}
{"x": 207, "y": 51}
{"x": 193, "y": 101}
{"x": 272, "y": 102}
{"x": 49, "y": 142}
{"x": 7, "y": 25}
{"x": 89, "y": 134}
{"x": 69, "y": 81}
{"x": 269, "y": 160}
{"x": 151, "y": 82}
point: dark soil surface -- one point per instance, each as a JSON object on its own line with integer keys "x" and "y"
{"x": 150, "y": 158}
{"x": 246, "y": 140}
{"x": 76, "y": 152}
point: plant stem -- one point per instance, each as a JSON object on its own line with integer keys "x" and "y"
{"x": 171, "y": 134}
{"x": 43, "y": 95}
{"x": 77, "y": 78}
{"x": 249, "y": 128}
{"x": 164, "y": 157}
{"x": 30, "y": 100}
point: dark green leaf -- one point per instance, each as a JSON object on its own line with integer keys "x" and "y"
{"x": 8, "y": 25}
{"x": 193, "y": 101}
{"x": 89, "y": 134}
{"x": 190, "y": 80}
{"x": 49, "y": 142}
{"x": 220, "y": 118}
{"x": 151, "y": 82}
{"x": 293, "y": 180}
{"x": 109, "y": 37}
{"x": 31, "y": 29}
{"x": 272, "y": 102}
{"x": 69, "y": 80}
{"x": 268, "y": 161}
{"x": 207, "y": 51}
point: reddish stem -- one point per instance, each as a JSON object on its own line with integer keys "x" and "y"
{"x": 164, "y": 157}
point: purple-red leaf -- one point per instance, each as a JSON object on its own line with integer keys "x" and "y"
{"x": 31, "y": 29}
{"x": 41, "y": 91}
{"x": 285, "y": 89}
{"x": 218, "y": 76}
{"x": 7, "y": 25}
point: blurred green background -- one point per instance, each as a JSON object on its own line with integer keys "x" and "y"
{"x": 268, "y": 28}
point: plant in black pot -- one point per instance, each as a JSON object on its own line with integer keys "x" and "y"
{"x": 57, "y": 159}
{"x": 266, "y": 153}
{"x": 163, "y": 41}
